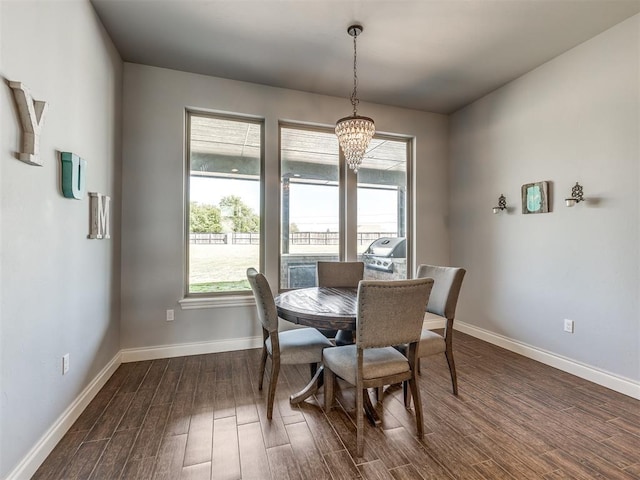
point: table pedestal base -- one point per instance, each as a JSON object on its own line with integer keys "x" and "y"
{"x": 314, "y": 385}
{"x": 369, "y": 411}
{"x": 311, "y": 388}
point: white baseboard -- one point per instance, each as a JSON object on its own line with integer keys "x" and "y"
{"x": 30, "y": 463}
{"x": 197, "y": 348}
{"x": 620, "y": 384}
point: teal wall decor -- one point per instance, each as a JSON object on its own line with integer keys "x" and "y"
{"x": 73, "y": 175}
{"x": 535, "y": 197}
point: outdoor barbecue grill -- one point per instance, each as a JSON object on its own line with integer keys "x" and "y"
{"x": 381, "y": 253}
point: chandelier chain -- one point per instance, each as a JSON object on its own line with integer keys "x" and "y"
{"x": 354, "y": 133}
{"x": 354, "y": 95}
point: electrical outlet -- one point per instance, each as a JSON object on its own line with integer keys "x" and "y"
{"x": 170, "y": 315}
{"x": 568, "y": 325}
{"x": 65, "y": 364}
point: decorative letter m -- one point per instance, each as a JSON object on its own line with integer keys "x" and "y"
{"x": 99, "y": 205}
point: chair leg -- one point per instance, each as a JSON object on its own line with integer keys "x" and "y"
{"x": 379, "y": 393}
{"x": 263, "y": 363}
{"x": 415, "y": 393}
{"x": 405, "y": 394}
{"x": 329, "y": 384}
{"x": 418, "y": 366}
{"x": 313, "y": 367}
{"x": 360, "y": 392}
{"x": 452, "y": 370}
{"x": 275, "y": 370}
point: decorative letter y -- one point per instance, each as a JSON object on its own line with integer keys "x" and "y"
{"x": 31, "y": 114}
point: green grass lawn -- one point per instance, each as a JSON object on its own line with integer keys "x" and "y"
{"x": 222, "y": 268}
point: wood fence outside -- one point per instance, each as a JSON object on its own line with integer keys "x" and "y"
{"x": 297, "y": 238}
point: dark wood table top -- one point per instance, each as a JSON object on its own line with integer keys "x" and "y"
{"x": 320, "y": 307}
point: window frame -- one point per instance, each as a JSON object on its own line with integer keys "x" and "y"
{"x": 348, "y": 194}
{"x": 410, "y": 198}
{"x": 234, "y": 297}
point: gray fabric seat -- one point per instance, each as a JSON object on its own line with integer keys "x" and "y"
{"x": 300, "y": 346}
{"x": 389, "y": 313}
{"x": 339, "y": 275}
{"x": 303, "y": 345}
{"x": 376, "y": 362}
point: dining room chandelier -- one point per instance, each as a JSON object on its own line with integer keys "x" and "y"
{"x": 355, "y": 132}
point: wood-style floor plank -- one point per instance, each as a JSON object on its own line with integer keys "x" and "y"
{"x": 59, "y": 457}
{"x": 283, "y": 463}
{"x": 226, "y": 453}
{"x": 375, "y": 470}
{"x": 253, "y": 454}
{"x": 170, "y": 458}
{"x": 150, "y": 436}
{"x": 202, "y": 471}
{"x": 114, "y": 458}
{"x": 111, "y": 417}
{"x": 200, "y": 439}
{"x": 203, "y": 418}
{"x": 341, "y": 465}
{"x": 139, "y": 469}
{"x": 84, "y": 461}
{"x": 406, "y": 472}
{"x": 307, "y": 454}
{"x": 137, "y": 411}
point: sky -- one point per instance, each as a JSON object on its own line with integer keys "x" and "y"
{"x": 313, "y": 208}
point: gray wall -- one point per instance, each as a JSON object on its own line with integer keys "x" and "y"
{"x": 575, "y": 118}
{"x": 153, "y": 180}
{"x": 60, "y": 291}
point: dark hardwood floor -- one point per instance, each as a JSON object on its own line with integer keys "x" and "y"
{"x": 202, "y": 417}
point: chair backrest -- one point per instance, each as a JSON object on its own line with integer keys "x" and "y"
{"x": 267, "y": 312}
{"x": 446, "y": 288}
{"x": 391, "y": 312}
{"x": 340, "y": 274}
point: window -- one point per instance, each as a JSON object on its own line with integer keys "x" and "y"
{"x": 223, "y": 202}
{"x": 310, "y": 200}
{"x": 382, "y": 209}
{"x": 318, "y": 217}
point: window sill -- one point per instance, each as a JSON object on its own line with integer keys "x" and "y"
{"x": 217, "y": 302}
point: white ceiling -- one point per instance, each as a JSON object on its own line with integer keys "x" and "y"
{"x": 429, "y": 55}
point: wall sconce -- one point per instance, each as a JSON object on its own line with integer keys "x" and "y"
{"x": 576, "y": 195}
{"x": 502, "y": 204}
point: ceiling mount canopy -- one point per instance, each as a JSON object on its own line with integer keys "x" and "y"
{"x": 354, "y": 132}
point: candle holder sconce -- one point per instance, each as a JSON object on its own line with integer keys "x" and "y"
{"x": 502, "y": 204}
{"x": 576, "y": 195}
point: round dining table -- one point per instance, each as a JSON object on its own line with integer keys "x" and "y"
{"x": 320, "y": 307}
{"x": 324, "y": 308}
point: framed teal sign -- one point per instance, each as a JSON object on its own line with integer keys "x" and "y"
{"x": 535, "y": 197}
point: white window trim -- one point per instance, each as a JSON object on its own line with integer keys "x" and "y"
{"x": 228, "y": 301}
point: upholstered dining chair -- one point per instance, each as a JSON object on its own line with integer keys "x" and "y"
{"x": 297, "y": 346}
{"x": 389, "y": 313}
{"x": 442, "y": 306}
{"x": 339, "y": 275}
